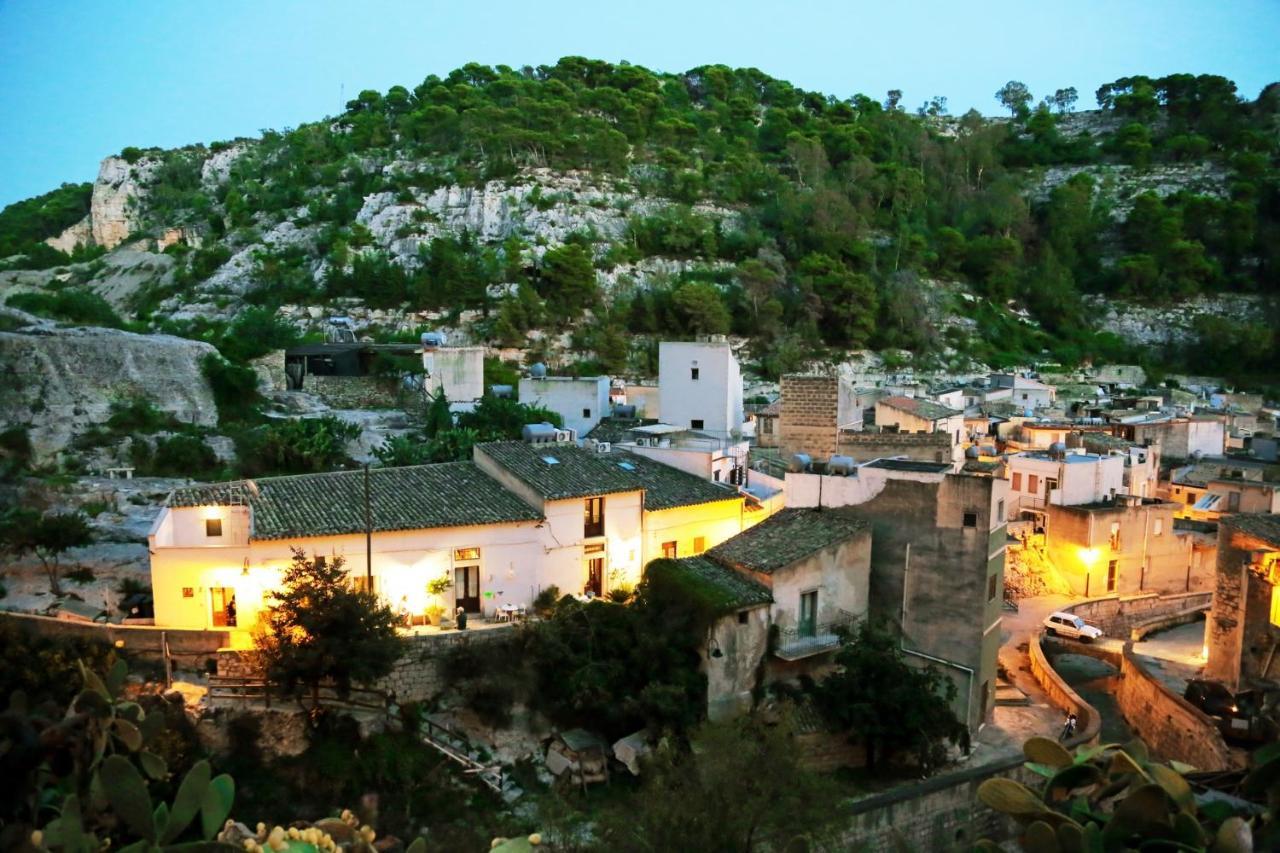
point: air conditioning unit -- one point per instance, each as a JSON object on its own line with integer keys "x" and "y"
{"x": 603, "y": 447}
{"x": 566, "y": 435}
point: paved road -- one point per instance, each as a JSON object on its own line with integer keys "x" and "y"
{"x": 1174, "y": 656}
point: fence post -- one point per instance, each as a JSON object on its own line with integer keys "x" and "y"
{"x": 168, "y": 661}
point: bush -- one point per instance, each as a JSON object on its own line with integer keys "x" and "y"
{"x": 296, "y": 446}
{"x": 71, "y": 305}
{"x": 137, "y": 415}
{"x": 235, "y": 389}
{"x": 183, "y": 456}
{"x": 80, "y": 574}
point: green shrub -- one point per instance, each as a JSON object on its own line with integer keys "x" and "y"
{"x": 295, "y": 446}
{"x": 135, "y": 415}
{"x": 71, "y": 305}
{"x": 235, "y": 389}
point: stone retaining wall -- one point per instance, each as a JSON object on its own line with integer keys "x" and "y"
{"x": 417, "y": 675}
{"x": 139, "y": 640}
{"x": 1170, "y": 725}
{"x": 942, "y": 813}
{"x": 1116, "y": 615}
{"x": 353, "y": 392}
{"x": 1089, "y": 721}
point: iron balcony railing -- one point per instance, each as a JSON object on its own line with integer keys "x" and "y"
{"x": 813, "y": 638}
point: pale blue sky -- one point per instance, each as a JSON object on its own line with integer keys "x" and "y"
{"x": 81, "y": 79}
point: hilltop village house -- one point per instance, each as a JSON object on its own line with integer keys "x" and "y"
{"x": 1242, "y": 633}
{"x": 802, "y": 575}
{"x": 514, "y": 520}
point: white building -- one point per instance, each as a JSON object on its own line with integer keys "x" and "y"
{"x": 580, "y": 401}
{"x": 1024, "y": 392}
{"x": 700, "y": 387}
{"x": 913, "y": 414}
{"x": 458, "y": 371}
{"x": 1062, "y": 478}
{"x": 500, "y": 528}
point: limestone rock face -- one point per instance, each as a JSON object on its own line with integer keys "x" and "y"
{"x": 80, "y": 234}
{"x": 1158, "y": 325}
{"x": 113, "y": 213}
{"x": 63, "y": 380}
{"x": 217, "y": 167}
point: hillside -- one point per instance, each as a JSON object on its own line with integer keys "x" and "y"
{"x": 513, "y": 204}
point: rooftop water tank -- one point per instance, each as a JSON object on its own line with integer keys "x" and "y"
{"x": 432, "y": 340}
{"x": 503, "y": 391}
{"x": 840, "y": 466}
{"x": 538, "y": 371}
{"x": 624, "y": 411}
{"x": 1058, "y": 450}
{"x": 971, "y": 452}
{"x": 800, "y": 463}
{"x": 543, "y": 433}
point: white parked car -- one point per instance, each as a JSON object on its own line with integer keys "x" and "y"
{"x": 1070, "y": 625}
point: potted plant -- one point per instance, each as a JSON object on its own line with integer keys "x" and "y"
{"x": 437, "y": 587}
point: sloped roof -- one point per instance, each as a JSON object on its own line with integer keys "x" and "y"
{"x": 1260, "y": 524}
{"x": 785, "y": 538}
{"x": 451, "y": 494}
{"x": 562, "y": 471}
{"x": 926, "y": 409}
{"x": 717, "y": 586}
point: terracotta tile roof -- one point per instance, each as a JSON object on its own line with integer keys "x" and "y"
{"x": 715, "y": 585}
{"x": 1263, "y": 525}
{"x": 452, "y": 494}
{"x": 562, "y": 471}
{"x": 920, "y": 408}
{"x": 785, "y": 538}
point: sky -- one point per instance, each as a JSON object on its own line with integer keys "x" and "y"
{"x": 82, "y": 79}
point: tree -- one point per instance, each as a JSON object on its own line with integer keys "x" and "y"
{"x": 568, "y": 282}
{"x": 49, "y": 536}
{"x": 700, "y": 307}
{"x": 1064, "y": 99}
{"x": 740, "y": 786}
{"x": 1014, "y": 96}
{"x": 848, "y": 300}
{"x": 320, "y": 629}
{"x": 891, "y": 706}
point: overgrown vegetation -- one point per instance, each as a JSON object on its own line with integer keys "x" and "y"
{"x": 24, "y": 225}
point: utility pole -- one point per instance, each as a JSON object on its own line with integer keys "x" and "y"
{"x": 368, "y": 533}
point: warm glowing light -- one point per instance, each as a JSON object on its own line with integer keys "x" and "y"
{"x": 1204, "y": 651}
{"x": 1088, "y": 556}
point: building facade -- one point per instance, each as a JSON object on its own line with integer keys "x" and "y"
{"x": 700, "y": 387}
{"x": 1242, "y": 632}
{"x": 579, "y": 401}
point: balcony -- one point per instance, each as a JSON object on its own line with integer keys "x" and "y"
{"x": 806, "y": 640}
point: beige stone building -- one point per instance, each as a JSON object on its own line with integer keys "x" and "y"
{"x": 1243, "y": 630}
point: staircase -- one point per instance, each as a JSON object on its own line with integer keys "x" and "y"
{"x": 437, "y": 734}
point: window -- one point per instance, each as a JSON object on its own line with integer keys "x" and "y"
{"x": 699, "y": 544}
{"x": 742, "y": 617}
{"x": 593, "y": 517}
{"x": 1016, "y": 485}
{"x": 1158, "y": 527}
{"x": 992, "y": 583}
{"x": 1000, "y": 510}
{"x": 808, "y": 613}
{"x": 1024, "y": 396}
{"x": 466, "y": 554}
{"x": 669, "y": 550}
{"x": 970, "y": 519}
{"x": 321, "y": 561}
{"x": 586, "y": 413}
{"x": 364, "y": 583}
{"x": 188, "y": 592}
{"x": 1111, "y": 576}
{"x": 213, "y": 527}
{"x": 1115, "y": 536}
{"x": 693, "y": 374}
{"x": 1233, "y": 501}
{"x": 1275, "y": 605}
{"x": 696, "y": 423}
{"x": 1191, "y": 498}
{"x": 715, "y": 475}
{"x": 1033, "y": 484}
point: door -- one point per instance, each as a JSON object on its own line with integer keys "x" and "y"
{"x": 808, "y": 613}
{"x": 466, "y": 588}
{"x": 1111, "y": 576}
{"x": 222, "y": 605}
{"x": 595, "y": 575}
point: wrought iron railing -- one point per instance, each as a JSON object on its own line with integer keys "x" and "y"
{"x": 814, "y": 638}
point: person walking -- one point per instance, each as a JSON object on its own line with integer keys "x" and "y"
{"x": 1068, "y": 728}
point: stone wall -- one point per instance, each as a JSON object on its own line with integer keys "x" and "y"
{"x": 1169, "y": 725}
{"x": 138, "y": 640}
{"x": 942, "y": 813}
{"x": 807, "y": 422}
{"x": 1088, "y": 720}
{"x": 1117, "y": 615}
{"x": 417, "y": 676}
{"x": 1243, "y": 644}
{"x": 926, "y": 447}
{"x": 353, "y": 392}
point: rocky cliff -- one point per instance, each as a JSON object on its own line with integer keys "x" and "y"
{"x": 63, "y": 380}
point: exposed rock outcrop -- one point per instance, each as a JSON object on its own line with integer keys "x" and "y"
{"x": 114, "y": 209}
{"x": 80, "y": 234}
{"x": 62, "y": 380}
{"x": 1170, "y": 324}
